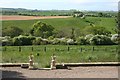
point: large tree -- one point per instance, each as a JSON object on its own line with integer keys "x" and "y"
{"x": 41, "y": 29}
{"x": 11, "y": 31}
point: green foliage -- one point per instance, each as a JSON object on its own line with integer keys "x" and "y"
{"x": 23, "y": 40}
{"x": 42, "y": 30}
{"x": 115, "y": 38}
{"x": 100, "y": 40}
{"x": 6, "y": 41}
{"x": 37, "y": 41}
{"x": 81, "y": 41}
{"x": 100, "y": 14}
{"x": 11, "y": 31}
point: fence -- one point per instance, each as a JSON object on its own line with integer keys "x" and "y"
{"x": 61, "y": 48}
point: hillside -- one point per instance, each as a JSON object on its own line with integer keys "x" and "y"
{"x": 65, "y": 24}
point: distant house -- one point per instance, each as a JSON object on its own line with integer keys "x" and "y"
{"x": 78, "y": 14}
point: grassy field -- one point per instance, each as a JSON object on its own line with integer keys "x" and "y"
{"x": 65, "y": 24}
{"x": 64, "y": 53}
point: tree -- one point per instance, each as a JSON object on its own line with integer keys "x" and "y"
{"x": 11, "y": 31}
{"x": 100, "y": 40}
{"x": 100, "y": 14}
{"x": 42, "y": 30}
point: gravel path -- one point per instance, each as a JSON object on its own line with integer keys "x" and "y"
{"x": 76, "y": 72}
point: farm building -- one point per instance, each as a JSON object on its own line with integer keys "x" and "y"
{"x": 78, "y": 14}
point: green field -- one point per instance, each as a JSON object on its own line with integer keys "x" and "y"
{"x": 65, "y": 24}
{"x": 73, "y": 54}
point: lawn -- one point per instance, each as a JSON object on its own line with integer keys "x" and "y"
{"x": 65, "y": 53}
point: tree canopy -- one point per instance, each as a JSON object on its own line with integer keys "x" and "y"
{"x": 41, "y": 29}
{"x": 11, "y": 31}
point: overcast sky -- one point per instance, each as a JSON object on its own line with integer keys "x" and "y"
{"x": 62, "y": 4}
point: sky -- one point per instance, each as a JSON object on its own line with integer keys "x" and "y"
{"x": 94, "y": 5}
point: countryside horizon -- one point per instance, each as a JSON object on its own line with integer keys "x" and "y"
{"x": 93, "y": 5}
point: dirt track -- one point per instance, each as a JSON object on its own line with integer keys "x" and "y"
{"x": 76, "y": 72}
{"x": 30, "y": 17}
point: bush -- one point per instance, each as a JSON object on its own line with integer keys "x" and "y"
{"x": 115, "y": 38}
{"x": 70, "y": 41}
{"x": 23, "y": 40}
{"x": 88, "y": 37}
{"x": 100, "y": 40}
{"x": 6, "y": 41}
{"x": 56, "y": 41}
{"x": 11, "y": 31}
{"x": 37, "y": 41}
{"x": 81, "y": 41}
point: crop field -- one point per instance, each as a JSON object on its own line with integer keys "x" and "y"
{"x": 64, "y": 54}
{"x": 13, "y": 17}
{"x": 64, "y": 23}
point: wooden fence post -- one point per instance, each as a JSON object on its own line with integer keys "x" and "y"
{"x": 45, "y": 49}
{"x": 5, "y": 49}
{"x": 93, "y": 49}
{"x": 19, "y": 48}
{"x": 81, "y": 49}
{"x": 68, "y": 48}
{"x": 116, "y": 49}
{"x": 32, "y": 48}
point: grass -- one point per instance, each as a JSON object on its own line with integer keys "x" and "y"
{"x": 64, "y": 24}
{"x": 74, "y": 55}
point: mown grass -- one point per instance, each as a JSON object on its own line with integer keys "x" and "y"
{"x": 73, "y": 55}
{"x": 66, "y": 23}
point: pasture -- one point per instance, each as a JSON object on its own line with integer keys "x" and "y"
{"x": 64, "y": 23}
{"x": 64, "y": 54}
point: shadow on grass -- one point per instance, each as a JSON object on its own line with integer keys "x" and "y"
{"x": 12, "y": 75}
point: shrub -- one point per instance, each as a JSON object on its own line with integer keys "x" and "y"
{"x": 115, "y": 38}
{"x": 70, "y": 41}
{"x": 23, "y": 40}
{"x": 88, "y": 37}
{"x": 37, "y": 41}
{"x": 81, "y": 41}
{"x": 11, "y": 31}
{"x": 56, "y": 41}
{"x": 63, "y": 41}
{"x": 100, "y": 40}
{"x": 6, "y": 41}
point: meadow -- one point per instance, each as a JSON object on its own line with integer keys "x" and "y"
{"x": 64, "y": 24}
{"x": 64, "y": 54}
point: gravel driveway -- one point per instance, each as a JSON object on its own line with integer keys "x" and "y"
{"x": 76, "y": 72}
